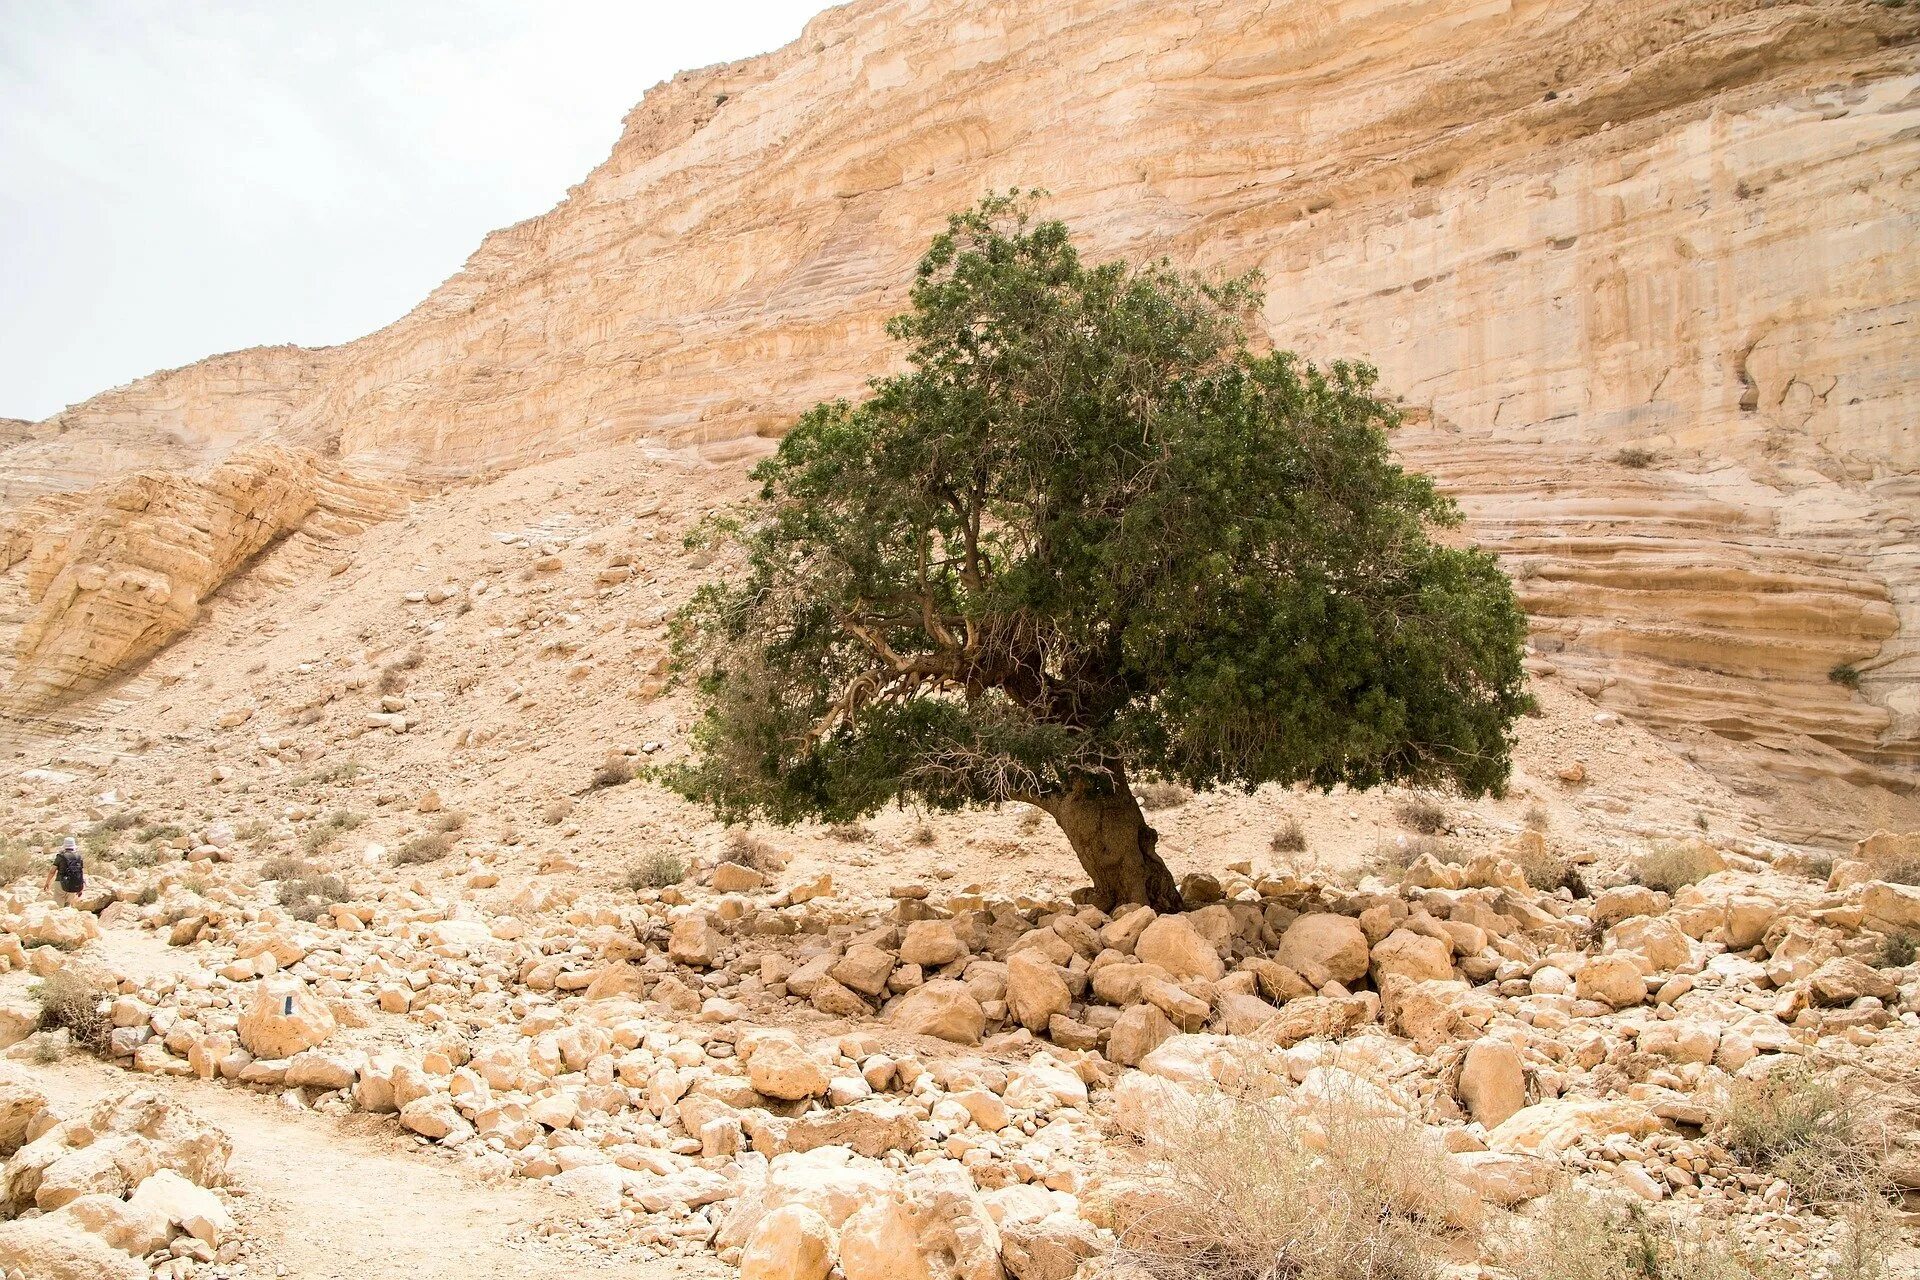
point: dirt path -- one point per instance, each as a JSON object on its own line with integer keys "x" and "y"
{"x": 327, "y": 1201}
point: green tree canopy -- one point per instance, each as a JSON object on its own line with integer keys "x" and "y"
{"x": 1091, "y": 535}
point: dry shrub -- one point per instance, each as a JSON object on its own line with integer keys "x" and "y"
{"x": 1158, "y": 795}
{"x": 922, "y": 835}
{"x": 307, "y": 897}
{"x": 1811, "y": 1132}
{"x": 1548, "y": 871}
{"x": 283, "y": 868}
{"x": 1537, "y": 818}
{"x": 1900, "y": 871}
{"x": 848, "y": 832}
{"x": 1897, "y": 951}
{"x": 16, "y": 860}
{"x": 656, "y": 870}
{"x": 1392, "y": 857}
{"x": 1635, "y": 459}
{"x": 1289, "y": 836}
{"x": 616, "y": 772}
{"x": 430, "y": 847}
{"x": 78, "y": 1001}
{"x": 1579, "y": 1235}
{"x": 1030, "y": 818}
{"x": 1240, "y": 1187}
{"x": 319, "y": 838}
{"x": 450, "y": 822}
{"x": 750, "y": 850}
{"x": 1675, "y": 864}
{"x": 1423, "y": 814}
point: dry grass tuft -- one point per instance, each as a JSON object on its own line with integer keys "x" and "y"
{"x": 750, "y": 850}
{"x": 1579, "y": 1235}
{"x": 1391, "y": 858}
{"x": 1423, "y": 814}
{"x": 1635, "y": 459}
{"x": 1289, "y": 836}
{"x": 617, "y": 771}
{"x": 1675, "y": 864}
{"x": 848, "y": 832}
{"x": 1240, "y": 1187}
{"x": 1808, "y": 1130}
{"x": 430, "y": 847}
{"x": 656, "y": 870}
{"x": 16, "y": 860}
{"x": 1897, "y": 951}
{"x": 1156, "y": 795}
{"x": 308, "y": 895}
{"x": 1548, "y": 871}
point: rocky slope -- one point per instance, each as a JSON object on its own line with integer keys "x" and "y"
{"x": 1561, "y": 232}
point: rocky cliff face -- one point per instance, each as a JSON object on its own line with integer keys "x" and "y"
{"x": 1681, "y": 229}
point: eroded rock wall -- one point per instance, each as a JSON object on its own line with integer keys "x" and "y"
{"x": 100, "y": 583}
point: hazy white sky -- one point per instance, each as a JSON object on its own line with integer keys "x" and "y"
{"x": 182, "y": 178}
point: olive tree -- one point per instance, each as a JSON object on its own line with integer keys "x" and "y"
{"x": 1090, "y": 535}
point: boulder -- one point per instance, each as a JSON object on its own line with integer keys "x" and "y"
{"x": 1843, "y": 980}
{"x": 1411, "y": 955}
{"x": 1140, "y": 1030}
{"x": 879, "y": 1243}
{"x": 1611, "y": 979}
{"x": 194, "y": 1209}
{"x": 1551, "y": 1128}
{"x": 1660, "y": 942}
{"x": 931, "y": 944}
{"x": 1493, "y": 1081}
{"x": 20, "y": 1103}
{"x": 943, "y": 1008}
{"x": 1051, "y": 1248}
{"x": 790, "y": 1243}
{"x": 57, "y": 1247}
{"x": 1035, "y": 990}
{"x": 1325, "y": 944}
{"x": 864, "y": 968}
{"x": 694, "y": 941}
{"x": 137, "y": 1230}
{"x": 780, "y": 1068}
{"x": 1176, "y": 946}
{"x": 284, "y": 1018}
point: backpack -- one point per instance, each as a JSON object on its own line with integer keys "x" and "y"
{"x": 71, "y": 872}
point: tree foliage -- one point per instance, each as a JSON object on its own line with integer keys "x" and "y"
{"x": 1090, "y": 531}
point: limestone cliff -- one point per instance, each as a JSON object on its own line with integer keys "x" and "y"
{"x": 1560, "y": 231}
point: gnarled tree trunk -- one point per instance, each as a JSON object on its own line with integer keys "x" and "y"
{"x": 1111, "y": 838}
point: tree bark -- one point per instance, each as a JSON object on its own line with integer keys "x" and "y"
{"x": 1115, "y": 845}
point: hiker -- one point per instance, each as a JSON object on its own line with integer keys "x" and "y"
{"x": 70, "y": 870}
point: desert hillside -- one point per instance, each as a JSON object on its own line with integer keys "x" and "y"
{"x": 347, "y": 668}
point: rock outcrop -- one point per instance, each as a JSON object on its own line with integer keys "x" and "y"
{"x": 1673, "y": 230}
{"x": 104, "y": 583}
